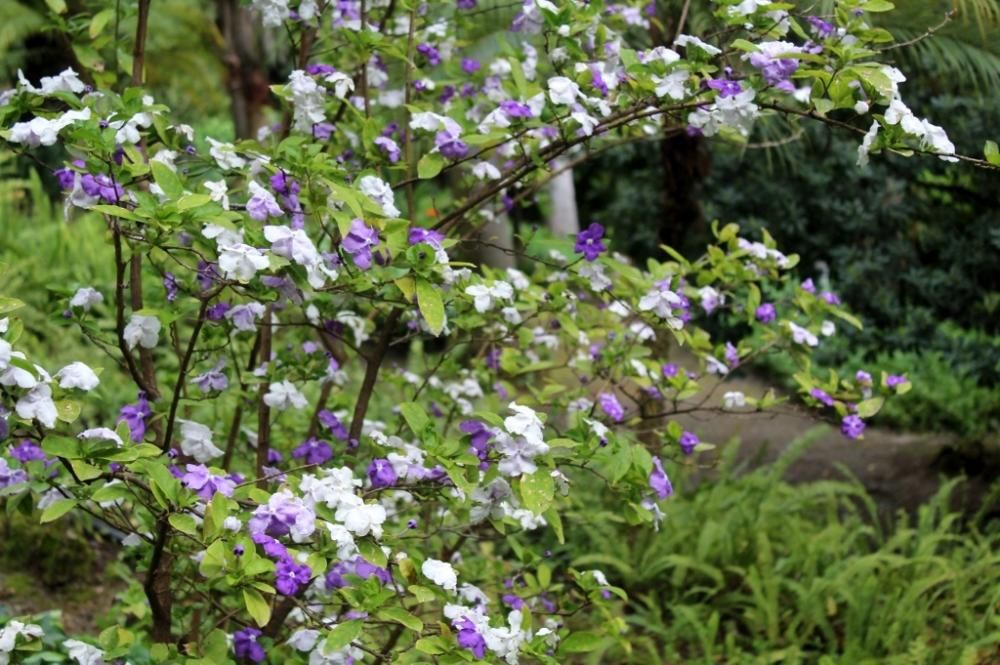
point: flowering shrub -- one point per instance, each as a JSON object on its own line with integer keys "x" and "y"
{"x": 295, "y": 495}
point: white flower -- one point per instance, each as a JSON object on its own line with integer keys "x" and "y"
{"x": 101, "y": 434}
{"x": 67, "y": 81}
{"x": 380, "y": 192}
{"x": 272, "y": 12}
{"x": 673, "y": 85}
{"x": 86, "y": 297}
{"x": 83, "y": 653}
{"x": 6, "y": 353}
{"x": 662, "y": 301}
{"x": 361, "y": 518}
{"x": 689, "y": 40}
{"x": 132, "y": 540}
{"x": 241, "y": 262}
{"x": 562, "y": 90}
{"x": 196, "y": 441}
{"x": 9, "y": 633}
{"x": 525, "y": 422}
{"x": 285, "y": 395}
{"x": 827, "y": 328}
{"x": 485, "y": 171}
{"x": 802, "y": 336}
{"x": 307, "y": 100}
{"x": 77, "y": 375}
{"x": 38, "y": 404}
{"x": 232, "y": 524}
{"x": 225, "y": 155}
{"x": 142, "y": 330}
{"x": 734, "y": 400}
{"x": 219, "y": 192}
{"x": 484, "y": 297}
{"x": 42, "y": 131}
{"x": 303, "y": 639}
{"x": 747, "y": 7}
{"x": 866, "y": 143}
{"x": 441, "y": 573}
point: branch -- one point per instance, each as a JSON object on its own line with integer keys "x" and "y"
{"x": 139, "y": 48}
{"x": 371, "y": 374}
{"x": 263, "y": 410}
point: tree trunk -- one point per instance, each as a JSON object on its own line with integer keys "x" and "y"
{"x": 245, "y": 80}
{"x": 564, "y": 219}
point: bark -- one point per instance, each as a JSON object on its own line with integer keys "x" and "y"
{"x": 245, "y": 79}
{"x": 564, "y": 218}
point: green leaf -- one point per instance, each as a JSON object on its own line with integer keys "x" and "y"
{"x": 111, "y": 493}
{"x": 57, "y": 509}
{"x": 183, "y": 523}
{"x": 342, "y": 635}
{"x": 372, "y": 551}
{"x": 167, "y": 179}
{"x": 100, "y": 20}
{"x": 992, "y": 153}
{"x": 580, "y": 642}
{"x": 85, "y": 471}
{"x": 258, "y": 608}
{"x": 430, "y": 165}
{"x": 878, "y": 6}
{"x": 870, "y": 407}
{"x": 193, "y": 201}
{"x": 537, "y": 491}
{"x": 9, "y": 304}
{"x": 431, "y": 306}
{"x": 67, "y": 410}
{"x": 60, "y": 446}
{"x": 415, "y": 416}
{"x": 399, "y": 615}
{"x": 58, "y": 6}
{"x": 432, "y": 646}
{"x": 214, "y": 560}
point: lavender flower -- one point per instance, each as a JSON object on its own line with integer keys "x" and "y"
{"x": 199, "y": 479}
{"x": 822, "y": 396}
{"x": 429, "y": 236}
{"x": 588, "y": 242}
{"x": 381, "y": 474}
{"x": 766, "y": 313}
{"x": 894, "y": 380}
{"x": 611, "y": 406}
{"x": 245, "y": 645}
{"x": 27, "y": 451}
{"x": 214, "y": 380}
{"x": 313, "y": 451}
{"x": 135, "y": 415}
{"x": 170, "y": 286}
{"x": 852, "y": 427}
{"x": 451, "y": 145}
{"x": 291, "y": 577}
{"x": 688, "y": 441}
{"x": 467, "y": 636}
{"x": 332, "y": 423}
{"x": 726, "y": 87}
{"x": 469, "y": 66}
{"x": 658, "y": 480}
{"x": 358, "y": 243}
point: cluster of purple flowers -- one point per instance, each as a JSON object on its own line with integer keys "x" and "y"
{"x": 611, "y": 406}
{"x": 359, "y": 566}
{"x": 381, "y": 474}
{"x": 199, "y": 479}
{"x": 479, "y": 441}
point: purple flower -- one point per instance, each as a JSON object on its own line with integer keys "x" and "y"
{"x": 66, "y": 177}
{"x": 822, "y": 396}
{"x": 512, "y": 601}
{"x": 469, "y": 66}
{"x": 135, "y": 415}
{"x": 468, "y": 637}
{"x": 808, "y": 286}
{"x": 830, "y": 297}
{"x": 27, "y": 451}
{"x": 213, "y": 380}
{"x": 262, "y": 205}
{"x": 658, "y": 480}
{"x": 894, "y": 380}
{"x": 389, "y": 147}
{"x": 588, "y": 242}
{"x": 515, "y": 109}
{"x": 9, "y": 476}
{"x": 688, "y": 441}
{"x": 207, "y": 275}
{"x": 332, "y": 423}
{"x": 863, "y": 377}
{"x": 245, "y": 645}
{"x": 291, "y": 577}
{"x": 272, "y": 547}
{"x": 358, "y": 243}
{"x": 479, "y": 442}
{"x": 217, "y": 312}
{"x": 732, "y": 355}
{"x": 381, "y": 473}
{"x": 365, "y": 569}
{"x": 852, "y": 427}
{"x": 670, "y": 370}
{"x": 821, "y": 27}
{"x": 451, "y": 145}
{"x": 766, "y": 313}
{"x": 313, "y": 451}
{"x": 726, "y": 87}
{"x": 102, "y": 187}
{"x": 429, "y": 52}
{"x": 776, "y": 71}
{"x": 466, "y": 4}
{"x": 597, "y": 80}
{"x": 323, "y": 130}
{"x": 611, "y": 406}
{"x": 199, "y": 479}
{"x": 320, "y": 68}
{"x": 429, "y": 236}
{"x": 170, "y": 286}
